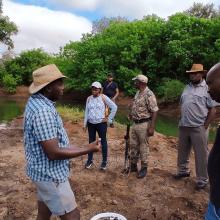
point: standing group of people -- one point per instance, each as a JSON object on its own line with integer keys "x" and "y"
{"x": 48, "y": 150}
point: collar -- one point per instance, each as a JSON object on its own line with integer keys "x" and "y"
{"x": 44, "y": 98}
{"x": 202, "y": 84}
{"x": 145, "y": 90}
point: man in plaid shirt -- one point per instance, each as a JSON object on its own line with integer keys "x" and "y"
{"x": 47, "y": 147}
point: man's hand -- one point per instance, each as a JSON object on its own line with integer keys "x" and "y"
{"x": 150, "y": 131}
{"x": 206, "y": 126}
{"x": 104, "y": 120}
{"x": 84, "y": 129}
{"x": 96, "y": 145}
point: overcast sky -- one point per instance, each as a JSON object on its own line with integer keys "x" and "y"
{"x": 53, "y": 23}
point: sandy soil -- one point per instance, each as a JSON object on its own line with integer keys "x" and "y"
{"x": 158, "y": 196}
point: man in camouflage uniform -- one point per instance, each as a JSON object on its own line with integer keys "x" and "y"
{"x": 143, "y": 113}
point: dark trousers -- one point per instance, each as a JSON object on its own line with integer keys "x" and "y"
{"x": 101, "y": 129}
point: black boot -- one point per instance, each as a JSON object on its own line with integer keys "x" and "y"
{"x": 181, "y": 175}
{"x": 142, "y": 173}
{"x": 134, "y": 167}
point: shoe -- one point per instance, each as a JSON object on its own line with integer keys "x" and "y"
{"x": 200, "y": 185}
{"x": 103, "y": 165}
{"x": 111, "y": 125}
{"x": 180, "y": 175}
{"x": 89, "y": 164}
{"x": 142, "y": 173}
{"x": 133, "y": 168}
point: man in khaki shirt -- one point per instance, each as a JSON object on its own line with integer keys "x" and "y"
{"x": 143, "y": 114}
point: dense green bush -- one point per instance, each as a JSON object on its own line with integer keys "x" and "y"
{"x": 10, "y": 83}
{"x": 18, "y": 71}
{"x": 170, "y": 90}
{"x": 152, "y": 46}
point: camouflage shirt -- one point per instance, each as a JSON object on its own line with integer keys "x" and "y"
{"x": 144, "y": 104}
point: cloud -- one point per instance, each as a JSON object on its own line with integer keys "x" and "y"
{"x": 130, "y": 8}
{"x": 41, "y": 27}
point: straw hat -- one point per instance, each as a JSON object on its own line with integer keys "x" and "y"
{"x": 44, "y": 76}
{"x": 196, "y": 68}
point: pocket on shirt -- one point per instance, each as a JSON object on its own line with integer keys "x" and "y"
{"x": 199, "y": 99}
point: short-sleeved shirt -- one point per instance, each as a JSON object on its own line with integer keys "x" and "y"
{"x": 195, "y": 104}
{"x": 144, "y": 104}
{"x": 41, "y": 123}
{"x": 109, "y": 88}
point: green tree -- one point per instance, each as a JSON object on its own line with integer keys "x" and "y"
{"x": 126, "y": 48}
{"x": 170, "y": 90}
{"x": 190, "y": 40}
{"x": 9, "y": 83}
{"x": 153, "y": 46}
{"x": 21, "y": 67}
{"x": 7, "y": 29}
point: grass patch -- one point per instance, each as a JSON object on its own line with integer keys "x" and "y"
{"x": 74, "y": 114}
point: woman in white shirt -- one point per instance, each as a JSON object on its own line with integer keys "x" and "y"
{"x": 96, "y": 120}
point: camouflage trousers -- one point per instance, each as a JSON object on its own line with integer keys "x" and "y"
{"x": 139, "y": 144}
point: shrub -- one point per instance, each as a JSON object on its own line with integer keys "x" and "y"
{"x": 73, "y": 114}
{"x": 170, "y": 90}
{"x": 9, "y": 83}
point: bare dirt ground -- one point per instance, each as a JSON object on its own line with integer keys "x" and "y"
{"x": 158, "y": 196}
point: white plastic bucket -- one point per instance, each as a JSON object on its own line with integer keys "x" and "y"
{"x": 109, "y": 215}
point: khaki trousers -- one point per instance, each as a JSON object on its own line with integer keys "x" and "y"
{"x": 139, "y": 143}
{"x": 198, "y": 139}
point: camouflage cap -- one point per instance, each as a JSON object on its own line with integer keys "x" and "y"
{"x": 141, "y": 78}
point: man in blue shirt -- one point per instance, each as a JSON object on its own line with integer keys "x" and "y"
{"x": 197, "y": 111}
{"x": 110, "y": 89}
{"x": 47, "y": 147}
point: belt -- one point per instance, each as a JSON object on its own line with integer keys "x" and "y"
{"x": 142, "y": 120}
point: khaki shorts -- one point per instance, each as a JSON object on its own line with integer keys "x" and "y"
{"x": 58, "y": 197}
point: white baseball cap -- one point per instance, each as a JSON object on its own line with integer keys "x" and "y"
{"x": 96, "y": 85}
{"x": 141, "y": 78}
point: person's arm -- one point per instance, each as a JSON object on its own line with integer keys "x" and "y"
{"x": 113, "y": 108}
{"x": 210, "y": 117}
{"x": 103, "y": 87}
{"x": 54, "y": 152}
{"x": 86, "y": 115}
{"x": 211, "y": 105}
{"x": 116, "y": 95}
{"x": 152, "y": 124}
{"x": 153, "y": 108}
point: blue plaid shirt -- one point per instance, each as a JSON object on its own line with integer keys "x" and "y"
{"x": 41, "y": 123}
